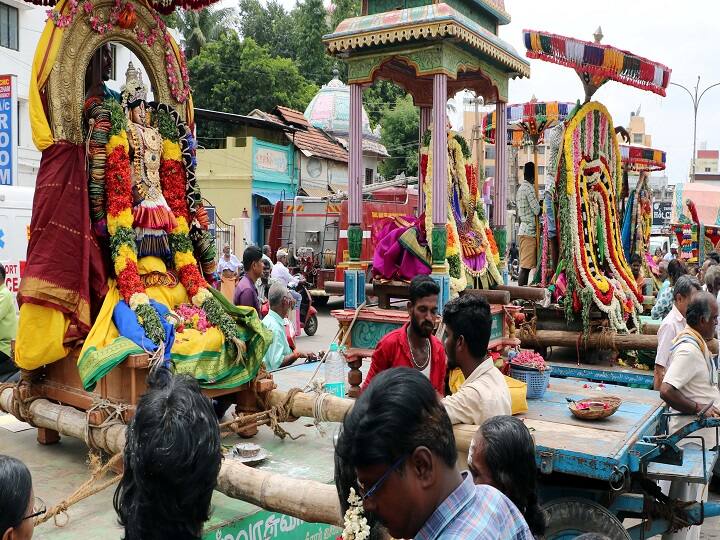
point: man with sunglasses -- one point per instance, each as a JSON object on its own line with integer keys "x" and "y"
{"x": 400, "y": 442}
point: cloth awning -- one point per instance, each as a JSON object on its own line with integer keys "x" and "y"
{"x": 271, "y": 195}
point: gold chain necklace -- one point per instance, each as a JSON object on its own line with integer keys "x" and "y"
{"x": 412, "y": 355}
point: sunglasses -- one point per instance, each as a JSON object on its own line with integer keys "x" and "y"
{"x": 39, "y": 508}
{"x": 364, "y": 495}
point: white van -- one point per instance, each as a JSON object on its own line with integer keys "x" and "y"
{"x": 15, "y": 211}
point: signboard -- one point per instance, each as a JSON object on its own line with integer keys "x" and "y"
{"x": 13, "y": 273}
{"x": 271, "y": 160}
{"x": 212, "y": 218}
{"x": 661, "y": 213}
{"x": 266, "y": 525}
{"x": 8, "y": 131}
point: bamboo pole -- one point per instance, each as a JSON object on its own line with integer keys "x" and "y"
{"x": 309, "y": 500}
{"x": 597, "y": 340}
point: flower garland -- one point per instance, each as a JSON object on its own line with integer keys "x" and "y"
{"x": 123, "y": 14}
{"x": 356, "y": 525}
{"x": 191, "y": 317}
{"x": 123, "y": 249}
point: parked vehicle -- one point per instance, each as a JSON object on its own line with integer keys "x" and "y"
{"x": 15, "y": 211}
{"x": 314, "y": 229}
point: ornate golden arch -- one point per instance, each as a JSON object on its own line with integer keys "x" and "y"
{"x": 66, "y": 84}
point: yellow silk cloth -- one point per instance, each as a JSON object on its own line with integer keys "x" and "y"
{"x": 188, "y": 343}
{"x": 518, "y": 390}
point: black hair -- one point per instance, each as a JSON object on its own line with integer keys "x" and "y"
{"x": 529, "y": 171}
{"x": 635, "y": 258}
{"x": 699, "y": 308}
{"x": 15, "y": 492}
{"x": 2, "y": 273}
{"x": 469, "y": 316}
{"x": 509, "y": 453}
{"x": 714, "y": 255}
{"x": 346, "y": 478}
{"x": 172, "y": 459}
{"x": 676, "y": 269}
{"x": 422, "y": 286}
{"x": 251, "y": 255}
{"x": 398, "y": 412}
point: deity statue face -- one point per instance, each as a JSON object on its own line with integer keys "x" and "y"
{"x": 137, "y": 113}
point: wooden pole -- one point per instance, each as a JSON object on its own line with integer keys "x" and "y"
{"x": 595, "y": 340}
{"x": 305, "y": 499}
{"x": 535, "y": 294}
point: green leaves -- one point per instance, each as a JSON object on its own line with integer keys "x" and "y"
{"x": 400, "y": 127}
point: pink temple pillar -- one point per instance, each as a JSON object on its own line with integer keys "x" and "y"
{"x": 439, "y": 187}
{"x": 425, "y": 120}
{"x": 500, "y": 185}
{"x": 354, "y": 275}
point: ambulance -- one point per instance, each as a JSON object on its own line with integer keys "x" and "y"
{"x": 15, "y": 211}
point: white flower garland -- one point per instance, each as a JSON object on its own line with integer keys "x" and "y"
{"x": 356, "y": 525}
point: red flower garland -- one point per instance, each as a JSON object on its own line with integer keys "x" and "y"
{"x": 191, "y": 278}
{"x": 118, "y": 181}
{"x": 172, "y": 179}
{"x": 129, "y": 281}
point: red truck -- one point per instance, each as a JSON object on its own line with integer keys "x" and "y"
{"x": 314, "y": 230}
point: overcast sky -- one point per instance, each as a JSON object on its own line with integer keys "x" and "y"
{"x": 681, "y": 35}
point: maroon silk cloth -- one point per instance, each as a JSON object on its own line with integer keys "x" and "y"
{"x": 65, "y": 267}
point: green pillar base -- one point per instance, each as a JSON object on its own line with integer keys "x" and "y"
{"x": 439, "y": 245}
{"x": 355, "y": 236}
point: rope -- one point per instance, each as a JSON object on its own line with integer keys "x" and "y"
{"x": 272, "y": 416}
{"x": 87, "y": 489}
{"x": 19, "y": 408}
{"x": 115, "y": 415}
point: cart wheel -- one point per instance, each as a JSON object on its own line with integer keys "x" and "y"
{"x": 311, "y": 325}
{"x": 320, "y": 301}
{"x": 571, "y": 517}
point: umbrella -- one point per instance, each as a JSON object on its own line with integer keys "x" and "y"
{"x": 163, "y": 6}
{"x": 596, "y": 63}
{"x": 641, "y": 158}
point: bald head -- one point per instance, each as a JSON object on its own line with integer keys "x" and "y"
{"x": 702, "y": 314}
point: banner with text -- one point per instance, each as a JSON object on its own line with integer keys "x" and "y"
{"x": 8, "y": 131}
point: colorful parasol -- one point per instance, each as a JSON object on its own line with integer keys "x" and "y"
{"x": 641, "y": 158}
{"x": 596, "y": 63}
{"x": 527, "y": 121}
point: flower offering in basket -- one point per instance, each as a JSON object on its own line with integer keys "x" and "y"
{"x": 531, "y": 368}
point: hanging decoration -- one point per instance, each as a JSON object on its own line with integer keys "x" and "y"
{"x": 642, "y": 159}
{"x": 163, "y": 6}
{"x": 471, "y": 249}
{"x": 527, "y": 121}
{"x": 597, "y": 272}
{"x": 597, "y": 63}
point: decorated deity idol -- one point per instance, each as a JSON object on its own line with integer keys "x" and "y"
{"x": 160, "y": 302}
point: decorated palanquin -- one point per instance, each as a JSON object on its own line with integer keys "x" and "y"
{"x": 695, "y": 216}
{"x": 119, "y": 247}
{"x": 593, "y": 270}
{"x": 403, "y": 244}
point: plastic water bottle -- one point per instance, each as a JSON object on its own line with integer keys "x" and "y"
{"x": 335, "y": 367}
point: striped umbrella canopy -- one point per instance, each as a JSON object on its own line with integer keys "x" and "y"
{"x": 641, "y": 158}
{"x": 597, "y": 63}
{"x": 163, "y": 6}
{"x": 527, "y": 121}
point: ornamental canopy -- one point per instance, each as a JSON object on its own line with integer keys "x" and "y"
{"x": 642, "y": 158}
{"x": 410, "y": 45}
{"x": 163, "y": 6}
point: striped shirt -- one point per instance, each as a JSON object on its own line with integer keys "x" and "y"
{"x": 475, "y": 513}
{"x": 527, "y": 208}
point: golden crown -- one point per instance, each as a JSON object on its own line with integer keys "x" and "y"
{"x": 134, "y": 89}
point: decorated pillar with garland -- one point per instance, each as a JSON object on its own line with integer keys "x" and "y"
{"x": 439, "y": 188}
{"x": 500, "y": 187}
{"x": 425, "y": 121}
{"x": 354, "y": 274}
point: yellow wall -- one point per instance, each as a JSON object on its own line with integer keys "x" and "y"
{"x": 225, "y": 178}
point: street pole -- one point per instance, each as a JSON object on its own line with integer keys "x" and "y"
{"x": 696, "y": 104}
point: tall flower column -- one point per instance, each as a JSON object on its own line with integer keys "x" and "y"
{"x": 354, "y": 275}
{"x": 439, "y": 187}
{"x": 425, "y": 120}
{"x": 500, "y": 187}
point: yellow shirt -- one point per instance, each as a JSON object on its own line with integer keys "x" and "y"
{"x": 484, "y": 394}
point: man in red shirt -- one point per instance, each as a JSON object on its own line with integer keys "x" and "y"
{"x": 414, "y": 345}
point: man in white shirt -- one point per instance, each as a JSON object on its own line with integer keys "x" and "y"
{"x": 690, "y": 385}
{"x": 674, "y": 322}
{"x": 267, "y": 252}
{"x": 281, "y": 273}
{"x": 484, "y": 393}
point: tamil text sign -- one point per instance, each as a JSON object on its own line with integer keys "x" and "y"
{"x": 8, "y": 131}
